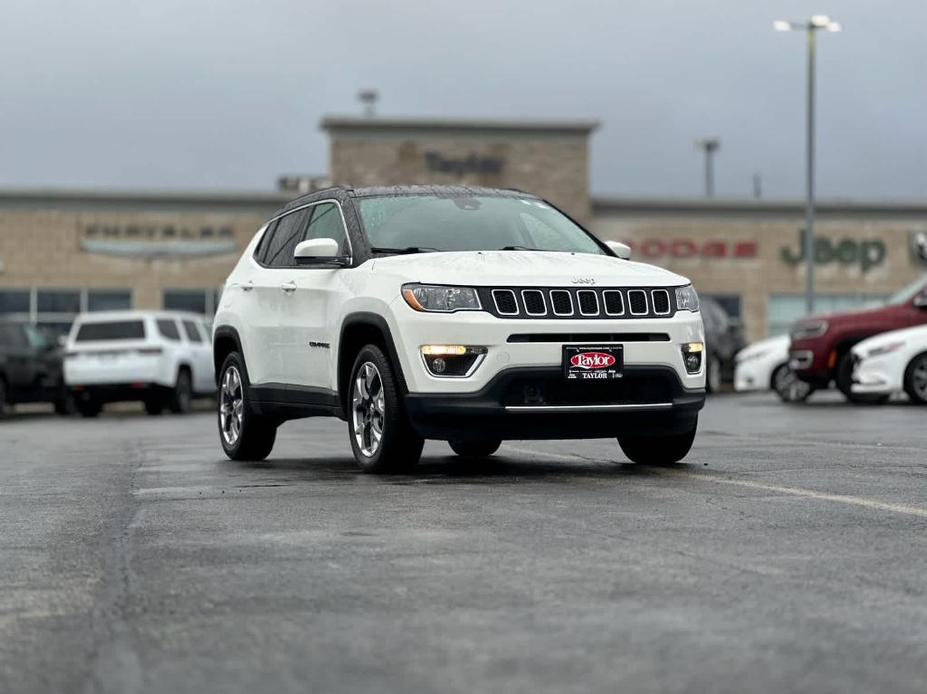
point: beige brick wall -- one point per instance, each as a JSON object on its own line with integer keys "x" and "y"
{"x": 554, "y": 169}
{"x": 43, "y": 249}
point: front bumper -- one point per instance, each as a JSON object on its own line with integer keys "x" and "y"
{"x": 536, "y": 403}
{"x": 878, "y": 376}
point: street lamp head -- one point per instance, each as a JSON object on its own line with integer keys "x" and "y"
{"x": 782, "y": 25}
{"x": 821, "y": 21}
{"x": 834, "y": 26}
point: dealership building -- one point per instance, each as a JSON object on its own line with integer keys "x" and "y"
{"x": 66, "y": 251}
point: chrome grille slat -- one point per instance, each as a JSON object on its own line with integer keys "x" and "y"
{"x": 583, "y": 297}
{"x": 660, "y": 301}
{"x": 556, "y": 294}
{"x": 613, "y": 296}
{"x": 637, "y": 294}
{"x": 530, "y": 297}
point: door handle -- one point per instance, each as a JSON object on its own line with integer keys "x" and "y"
{"x": 288, "y": 287}
{"x": 245, "y": 287}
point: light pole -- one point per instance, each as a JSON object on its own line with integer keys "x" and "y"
{"x": 811, "y": 27}
{"x": 709, "y": 145}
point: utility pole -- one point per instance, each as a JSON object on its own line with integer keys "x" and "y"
{"x": 709, "y": 145}
{"x": 811, "y": 27}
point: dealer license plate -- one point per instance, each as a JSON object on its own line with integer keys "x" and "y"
{"x": 592, "y": 363}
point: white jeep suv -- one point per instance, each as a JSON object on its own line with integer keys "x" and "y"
{"x": 468, "y": 315}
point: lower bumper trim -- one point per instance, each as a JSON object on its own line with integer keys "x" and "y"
{"x": 626, "y": 407}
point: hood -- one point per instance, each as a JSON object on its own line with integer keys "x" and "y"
{"x": 916, "y": 335}
{"x": 524, "y": 268}
{"x": 779, "y": 343}
{"x": 861, "y": 317}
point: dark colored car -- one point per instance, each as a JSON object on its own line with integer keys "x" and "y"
{"x": 820, "y": 350}
{"x": 31, "y": 367}
{"x": 724, "y": 338}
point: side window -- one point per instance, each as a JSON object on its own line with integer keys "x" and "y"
{"x": 168, "y": 329}
{"x": 260, "y": 253}
{"x": 326, "y": 223}
{"x": 288, "y": 233}
{"x": 190, "y": 331}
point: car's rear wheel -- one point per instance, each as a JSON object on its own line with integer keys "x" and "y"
{"x": 181, "y": 398}
{"x": 475, "y": 449}
{"x": 154, "y": 405}
{"x": 658, "y": 450}
{"x": 915, "y": 379}
{"x": 788, "y": 386}
{"x": 64, "y": 403}
{"x": 844, "y": 381}
{"x": 89, "y": 407}
{"x": 243, "y": 433}
{"x": 381, "y": 436}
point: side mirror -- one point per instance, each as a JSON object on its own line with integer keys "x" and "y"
{"x": 315, "y": 251}
{"x": 622, "y": 250}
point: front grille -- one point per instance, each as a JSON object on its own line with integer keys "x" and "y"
{"x": 661, "y": 302}
{"x": 561, "y": 302}
{"x": 505, "y": 302}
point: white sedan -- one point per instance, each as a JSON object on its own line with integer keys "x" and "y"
{"x": 893, "y": 362}
{"x": 764, "y": 365}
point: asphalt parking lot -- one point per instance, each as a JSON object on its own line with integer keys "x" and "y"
{"x": 789, "y": 553}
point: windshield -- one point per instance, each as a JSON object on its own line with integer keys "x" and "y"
{"x": 903, "y": 296}
{"x": 473, "y": 223}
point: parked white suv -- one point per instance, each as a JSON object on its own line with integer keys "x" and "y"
{"x": 460, "y": 314}
{"x": 162, "y": 358}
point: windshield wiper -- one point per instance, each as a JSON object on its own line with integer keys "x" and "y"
{"x": 404, "y": 251}
{"x": 518, "y": 248}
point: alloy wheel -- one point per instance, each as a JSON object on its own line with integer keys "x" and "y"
{"x": 789, "y": 387}
{"x": 231, "y": 406}
{"x": 368, "y": 409}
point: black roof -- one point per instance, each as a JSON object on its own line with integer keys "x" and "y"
{"x": 380, "y": 191}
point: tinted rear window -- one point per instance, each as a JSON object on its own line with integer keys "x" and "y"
{"x": 112, "y": 330}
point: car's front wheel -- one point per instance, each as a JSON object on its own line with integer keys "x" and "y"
{"x": 844, "y": 381}
{"x": 788, "y": 386}
{"x": 658, "y": 450}
{"x": 243, "y": 433}
{"x": 915, "y": 379}
{"x": 379, "y": 430}
{"x": 475, "y": 449}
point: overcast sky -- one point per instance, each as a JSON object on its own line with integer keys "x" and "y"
{"x": 190, "y": 94}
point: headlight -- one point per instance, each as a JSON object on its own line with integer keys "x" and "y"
{"x": 885, "y": 349}
{"x": 808, "y": 329}
{"x": 437, "y": 298}
{"x": 686, "y": 298}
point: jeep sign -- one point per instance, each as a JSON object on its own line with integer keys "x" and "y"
{"x": 866, "y": 253}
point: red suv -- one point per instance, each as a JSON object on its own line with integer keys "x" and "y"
{"x": 820, "y": 351}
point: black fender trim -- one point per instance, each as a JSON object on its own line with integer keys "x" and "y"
{"x": 378, "y": 321}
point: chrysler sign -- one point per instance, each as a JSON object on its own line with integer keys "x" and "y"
{"x": 157, "y": 240}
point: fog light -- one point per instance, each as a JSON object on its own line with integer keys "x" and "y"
{"x": 452, "y": 360}
{"x": 692, "y": 356}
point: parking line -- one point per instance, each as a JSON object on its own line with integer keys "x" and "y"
{"x": 749, "y": 484}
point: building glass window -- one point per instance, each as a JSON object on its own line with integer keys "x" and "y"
{"x": 784, "y": 309}
{"x": 109, "y": 299}
{"x": 58, "y": 301}
{"x": 15, "y": 301}
{"x": 202, "y": 301}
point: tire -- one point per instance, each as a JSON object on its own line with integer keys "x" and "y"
{"x": 713, "y": 374}
{"x": 378, "y": 428}
{"x": 475, "y": 449}
{"x": 89, "y": 408}
{"x": 65, "y": 405}
{"x": 181, "y": 398}
{"x": 154, "y": 406}
{"x": 243, "y": 433}
{"x": 915, "y": 379}
{"x": 658, "y": 450}
{"x": 844, "y": 381}
{"x": 788, "y": 386}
